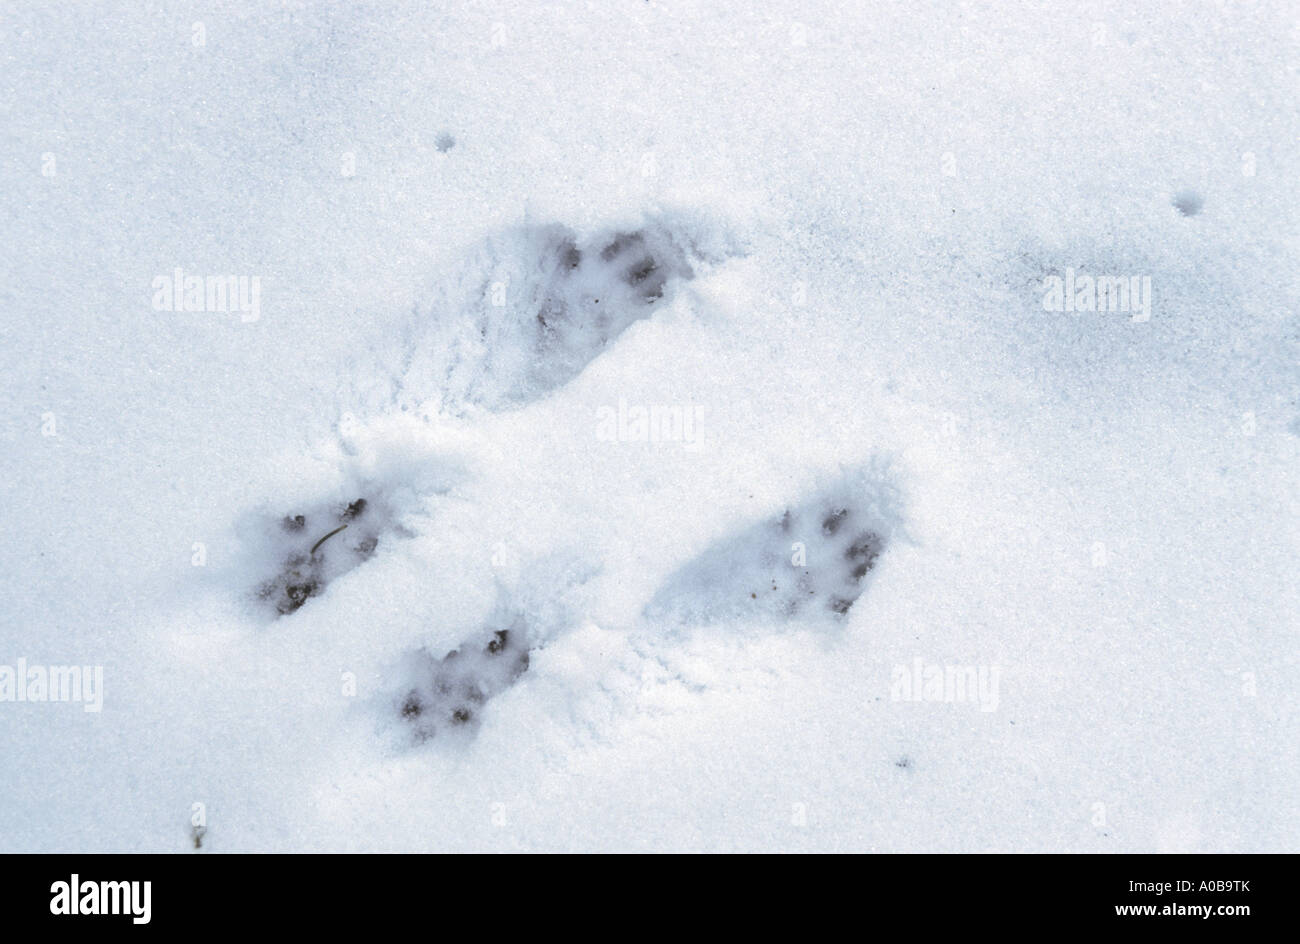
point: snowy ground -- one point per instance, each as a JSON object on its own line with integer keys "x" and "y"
{"x": 815, "y": 238}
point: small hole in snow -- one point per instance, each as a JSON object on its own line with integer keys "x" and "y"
{"x": 1188, "y": 203}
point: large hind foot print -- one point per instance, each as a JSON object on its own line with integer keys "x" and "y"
{"x": 809, "y": 561}
{"x": 571, "y": 303}
{"x": 594, "y": 293}
{"x": 534, "y": 307}
{"x": 321, "y": 543}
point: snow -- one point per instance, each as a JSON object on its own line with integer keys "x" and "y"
{"x": 851, "y": 211}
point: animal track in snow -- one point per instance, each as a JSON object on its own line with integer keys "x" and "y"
{"x": 321, "y": 544}
{"x": 450, "y": 692}
{"x": 369, "y": 488}
{"x": 537, "y": 330}
{"x": 812, "y": 559}
{"x": 531, "y": 309}
{"x": 443, "y": 694}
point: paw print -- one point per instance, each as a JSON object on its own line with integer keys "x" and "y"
{"x": 319, "y": 546}
{"x": 812, "y": 559}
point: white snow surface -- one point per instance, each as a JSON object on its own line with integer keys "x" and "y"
{"x": 851, "y": 209}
